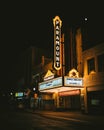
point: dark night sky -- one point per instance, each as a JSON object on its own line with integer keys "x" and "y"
{"x": 25, "y": 24}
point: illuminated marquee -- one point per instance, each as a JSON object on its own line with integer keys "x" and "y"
{"x": 57, "y": 42}
{"x": 51, "y": 84}
{"x": 73, "y": 81}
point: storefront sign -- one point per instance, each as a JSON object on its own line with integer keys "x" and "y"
{"x": 49, "y": 75}
{"x": 68, "y": 93}
{"x": 73, "y": 81}
{"x": 57, "y": 42}
{"x": 51, "y": 84}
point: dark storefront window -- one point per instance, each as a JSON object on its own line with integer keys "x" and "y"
{"x": 96, "y": 102}
{"x": 91, "y": 65}
{"x": 100, "y": 59}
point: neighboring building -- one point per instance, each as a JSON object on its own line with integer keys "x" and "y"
{"x": 31, "y": 60}
{"x": 40, "y": 70}
{"x": 93, "y": 63}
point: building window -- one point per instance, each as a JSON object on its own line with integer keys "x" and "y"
{"x": 91, "y": 65}
{"x": 100, "y": 59}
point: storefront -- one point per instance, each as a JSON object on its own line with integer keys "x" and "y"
{"x": 70, "y": 100}
{"x": 61, "y": 93}
{"x": 95, "y": 100}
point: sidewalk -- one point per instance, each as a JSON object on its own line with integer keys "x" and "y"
{"x": 99, "y": 119}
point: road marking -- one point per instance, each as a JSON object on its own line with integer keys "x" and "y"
{"x": 77, "y": 120}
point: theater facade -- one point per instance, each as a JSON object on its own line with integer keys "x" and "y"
{"x": 82, "y": 88}
{"x": 61, "y": 93}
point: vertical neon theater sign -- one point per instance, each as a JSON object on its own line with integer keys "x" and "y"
{"x": 57, "y": 42}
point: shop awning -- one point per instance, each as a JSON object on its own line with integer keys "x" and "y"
{"x": 61, "y": 84}
{"x": 60, "y": 89}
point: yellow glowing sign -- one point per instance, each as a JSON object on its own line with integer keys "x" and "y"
{"x": 73, "y": 73}
{"x": 57, "y": 42}
{"x": 49, "y": 75}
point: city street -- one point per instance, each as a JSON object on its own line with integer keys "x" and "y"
{"x": 48, "y": 120}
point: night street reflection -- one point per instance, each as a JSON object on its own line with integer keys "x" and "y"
{"x": 27, "y": 119}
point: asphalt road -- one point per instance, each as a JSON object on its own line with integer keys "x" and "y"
{"x": 48, "y": 120}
